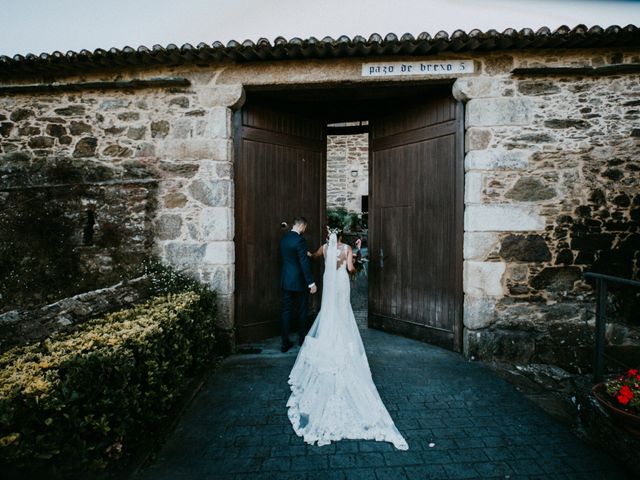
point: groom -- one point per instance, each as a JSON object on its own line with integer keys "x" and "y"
{"x": 296, "y": 281}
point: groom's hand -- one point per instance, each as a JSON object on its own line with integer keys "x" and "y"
{"x": 312, "y": 288}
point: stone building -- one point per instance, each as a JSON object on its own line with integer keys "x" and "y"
{"x": 347, "y": 171}
{"x": 503, "y": 165}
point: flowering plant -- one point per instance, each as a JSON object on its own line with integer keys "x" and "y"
{"x": 624, "y": 390}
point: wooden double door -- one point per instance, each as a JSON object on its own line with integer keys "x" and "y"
{"x": 415, "y": 214}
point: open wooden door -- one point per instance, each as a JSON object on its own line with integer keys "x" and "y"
{"x": 279, "y": 174}
{"x": 416, "y": 222}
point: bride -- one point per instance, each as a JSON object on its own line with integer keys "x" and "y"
{"x": 332, "y": 393}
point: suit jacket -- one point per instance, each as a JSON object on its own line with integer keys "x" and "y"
{"x": 296, "y": 267}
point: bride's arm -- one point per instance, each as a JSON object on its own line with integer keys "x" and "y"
{"x": 317, "y": 253}
{"x": 350, "y": 265}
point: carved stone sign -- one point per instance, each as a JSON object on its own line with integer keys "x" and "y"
{"x": 438, "y": 67}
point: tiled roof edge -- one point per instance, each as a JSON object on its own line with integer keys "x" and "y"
{"x": 58, "y": 63}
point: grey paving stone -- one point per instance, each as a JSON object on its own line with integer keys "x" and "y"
{"x": 461, "y": 470}
{"x": 493, "y": 469}
{"x": 360, "y": 474}
{"x": 323, "y": 450}
{"x": 499, "y": 453}
{"x": 263, "y": 476}
{"x": 325, "y": 475}
{"x": 237, "y": 427}
{"x": 369, "y": 446}
{"x": 465, "y": 455}
{"x": 436, "y": 456}
{"x": 470, "y": 442}
{"x": 526, "y": 467}
{"x": 342, "y": 460}
{"x": 346, "y": 446}
{"x": 440, "y": 443}
{"x": 426, "y": 472}
{"x": 310, "y": 462}
{"x": 237, "y": 465}
{"x": 288, "y": 450}
{"x": 523, "y": 452}
{"x": 370, "y": 460}
{"x": 246, "y": 440}
{"x": 389, "y": 474}
{"x": 590, "y": 476}
{"x": 497, "y": 441}
{"x": 278, "y": 464}
{"x": 554, "y": 465}
{"x": 404, "y": 458}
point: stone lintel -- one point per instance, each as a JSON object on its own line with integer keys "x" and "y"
{"x": 466, "y": 88}
{"x": 231, "y": 96}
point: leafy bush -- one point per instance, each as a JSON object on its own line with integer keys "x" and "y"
{"x": 337, "y": 217}
{"x": 80, "y": 401}
{"x": 340, "y": 217}
{"x": 166, "y": 279}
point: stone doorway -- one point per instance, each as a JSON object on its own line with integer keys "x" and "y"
{"x": 410, "y": 124}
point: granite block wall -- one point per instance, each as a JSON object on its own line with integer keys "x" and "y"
{"x": 93, "y": 182}
{"x": 552, "y": 190}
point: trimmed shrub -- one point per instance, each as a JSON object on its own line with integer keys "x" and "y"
{"x": 82, "y": 401}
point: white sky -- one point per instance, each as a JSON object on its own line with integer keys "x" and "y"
{"x": 35, "y": 26}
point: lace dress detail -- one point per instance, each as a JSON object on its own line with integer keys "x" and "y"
{"x": 333, "y": 396}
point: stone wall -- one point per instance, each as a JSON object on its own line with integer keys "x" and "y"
{"x": 25, "y": 326}
{"x": 347, "y": 154}
{"x": 552, "y": 190}
{"x": 93, "y": 182}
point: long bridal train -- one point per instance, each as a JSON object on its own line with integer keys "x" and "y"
{"x": 333, "y": 396}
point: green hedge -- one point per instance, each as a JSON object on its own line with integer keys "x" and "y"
{"x": 82, "y": 401}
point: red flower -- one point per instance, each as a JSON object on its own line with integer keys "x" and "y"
{"x": 626, "y": 392}
{"x": 623, "y": 400}
{"x": 632, "y": 372}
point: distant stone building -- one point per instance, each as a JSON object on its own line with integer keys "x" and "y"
{"x": 347, "y": 171}
{"x": 503, "y": 166}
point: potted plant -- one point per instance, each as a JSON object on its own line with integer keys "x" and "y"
{"x": 620, "y": 396}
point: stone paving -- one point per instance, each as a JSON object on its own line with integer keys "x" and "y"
{"x": 480, "y": 425}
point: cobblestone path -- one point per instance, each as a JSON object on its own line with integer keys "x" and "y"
{"x": 478, "y": 424}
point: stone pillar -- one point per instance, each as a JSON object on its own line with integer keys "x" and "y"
{"x": 195, "y": 225}
{"x": 488, "y": 218}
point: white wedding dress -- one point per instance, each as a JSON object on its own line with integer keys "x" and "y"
{"x": 333, "y": 396}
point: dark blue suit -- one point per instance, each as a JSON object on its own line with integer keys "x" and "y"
{"x": 295, "y": 280}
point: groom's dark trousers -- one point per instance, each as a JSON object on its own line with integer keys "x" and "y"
{"x": 295, "y": 280}
{"x": 294, "y": 302}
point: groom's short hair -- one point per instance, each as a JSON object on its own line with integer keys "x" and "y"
{"x": 300, "y": 220}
